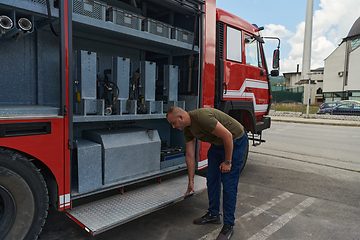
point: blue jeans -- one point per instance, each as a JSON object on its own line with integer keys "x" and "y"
{"x": 230, "y": 180}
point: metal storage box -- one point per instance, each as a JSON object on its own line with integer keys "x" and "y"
{"x": 148, "y": 73}
{"x": 86, "y": 76}
{"x": 120, "y": 75}
{"x": 182, "y": 35}
{"x": 89, "y": 165}
{"x": 127, "y": 152}
{"x": 157, "y": 28}
{"x": 124, "y": 18}
{"x": 90, "y": 8}
{"x": 43, "y": 2}
{"x": 171, "y": 81}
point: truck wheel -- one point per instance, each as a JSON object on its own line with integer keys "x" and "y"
{"x": 245, "y": 157}
{"x": 23, "y": 197}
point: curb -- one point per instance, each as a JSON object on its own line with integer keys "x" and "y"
{"x": 316, "y": 121}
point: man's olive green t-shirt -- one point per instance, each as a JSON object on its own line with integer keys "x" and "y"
{"x": 203, "y": 123}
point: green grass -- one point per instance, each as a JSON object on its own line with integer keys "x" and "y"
{"x": 293, "y": 107}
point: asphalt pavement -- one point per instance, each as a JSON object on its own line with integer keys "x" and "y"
{"x": 282, "y": 195}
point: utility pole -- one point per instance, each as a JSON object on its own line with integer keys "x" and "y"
{"x": 306, "y": 62}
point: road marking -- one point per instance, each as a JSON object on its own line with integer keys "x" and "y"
{"x": 282, "y": 220}
{"x": 256, "y": 212}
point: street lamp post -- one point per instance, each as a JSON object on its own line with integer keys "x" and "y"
{"x": 305, "y": 73}
{"x": 309, "y": 98}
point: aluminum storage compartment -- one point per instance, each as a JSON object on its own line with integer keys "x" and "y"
{"x": 148, "y": 74}
{"x": 127, "y": 153}
{"x": 171, "y": 82}
{"x": 124, "y": 18}
{"x": 89, "y": 165}
{"x": 43, "y": 2}
{"x": 89, "y": 8}
{"x": 86, "y": 81}
{"x": 157, "y": 28}
{"x": 182, "y": 35}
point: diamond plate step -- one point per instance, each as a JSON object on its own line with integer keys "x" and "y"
{"x": 102, "y": 215}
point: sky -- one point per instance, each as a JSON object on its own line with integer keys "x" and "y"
{"x": 285, "y": 19}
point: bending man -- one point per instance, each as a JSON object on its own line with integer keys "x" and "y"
{"x": 225, "y": 156}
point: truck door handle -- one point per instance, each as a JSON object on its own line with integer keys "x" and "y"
{"x": 224, "y": 83}
{"x": 248, "y": 90}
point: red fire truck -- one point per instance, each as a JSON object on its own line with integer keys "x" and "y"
{"x": 85, "y": 86}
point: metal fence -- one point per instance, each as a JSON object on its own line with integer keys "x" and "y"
{"x": 283, "y": 94}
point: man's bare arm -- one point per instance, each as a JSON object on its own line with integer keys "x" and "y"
{"x": 190, "y": 162}
{"x": 221, "y": 132}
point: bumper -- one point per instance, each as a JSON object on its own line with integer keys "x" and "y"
{"x": 263, "y": 124}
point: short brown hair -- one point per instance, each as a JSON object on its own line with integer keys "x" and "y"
{"x": 175, "y": 110}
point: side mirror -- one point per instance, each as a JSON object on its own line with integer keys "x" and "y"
{"x": 276, "y": 59}
{"x": 274, "y": 73}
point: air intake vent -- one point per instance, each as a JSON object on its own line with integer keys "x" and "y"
{"x": 220, "y": 39}
{"x": 219, "y": 67}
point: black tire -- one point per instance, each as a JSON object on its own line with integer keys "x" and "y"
{"x": 24, "y": 197}
{"x": 245, "y": 157}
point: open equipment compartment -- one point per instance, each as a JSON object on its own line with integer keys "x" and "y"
{"x": 30, "y": 73}
{"x": 124, "y": 76}
{"x": 125, "y": 79}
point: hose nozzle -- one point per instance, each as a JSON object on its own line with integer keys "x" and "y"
{"x": 5, "y": 24}
{"x": 25, "y": 24}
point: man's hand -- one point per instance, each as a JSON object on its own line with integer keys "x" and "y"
{"x": 190, "y": 188}
{"x": 224, "y": 168}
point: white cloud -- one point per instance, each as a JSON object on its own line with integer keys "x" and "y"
{"x": 296, "y": 41}
{"x": 330, "y": 25}
{"x": 276, "y": 30}
{"x": 273, "y": 30}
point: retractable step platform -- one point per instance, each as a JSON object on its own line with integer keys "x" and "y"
{"x": 102, "y": 215}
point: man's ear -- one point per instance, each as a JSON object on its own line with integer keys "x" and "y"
{"x": 181, "y": 117}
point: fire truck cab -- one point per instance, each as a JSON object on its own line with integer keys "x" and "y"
{"x": 84, "y": 90}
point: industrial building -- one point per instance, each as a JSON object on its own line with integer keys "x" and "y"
{"x": 341, "y": 69}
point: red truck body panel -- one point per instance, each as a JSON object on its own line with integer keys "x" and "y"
{"x": 48, "y": 148}
{"x": 243, "y": 81}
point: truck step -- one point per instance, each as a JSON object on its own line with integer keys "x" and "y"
{"x": 97, "y": 217}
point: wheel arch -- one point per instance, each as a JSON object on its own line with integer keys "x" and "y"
{"x": 24, "y": 187}
{"x": 242, "y": 111}
{"x": 46, "y": 173}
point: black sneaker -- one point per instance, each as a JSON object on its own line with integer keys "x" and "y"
{"x": 208, "y": 218}
{"x": 226, "y": 232}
